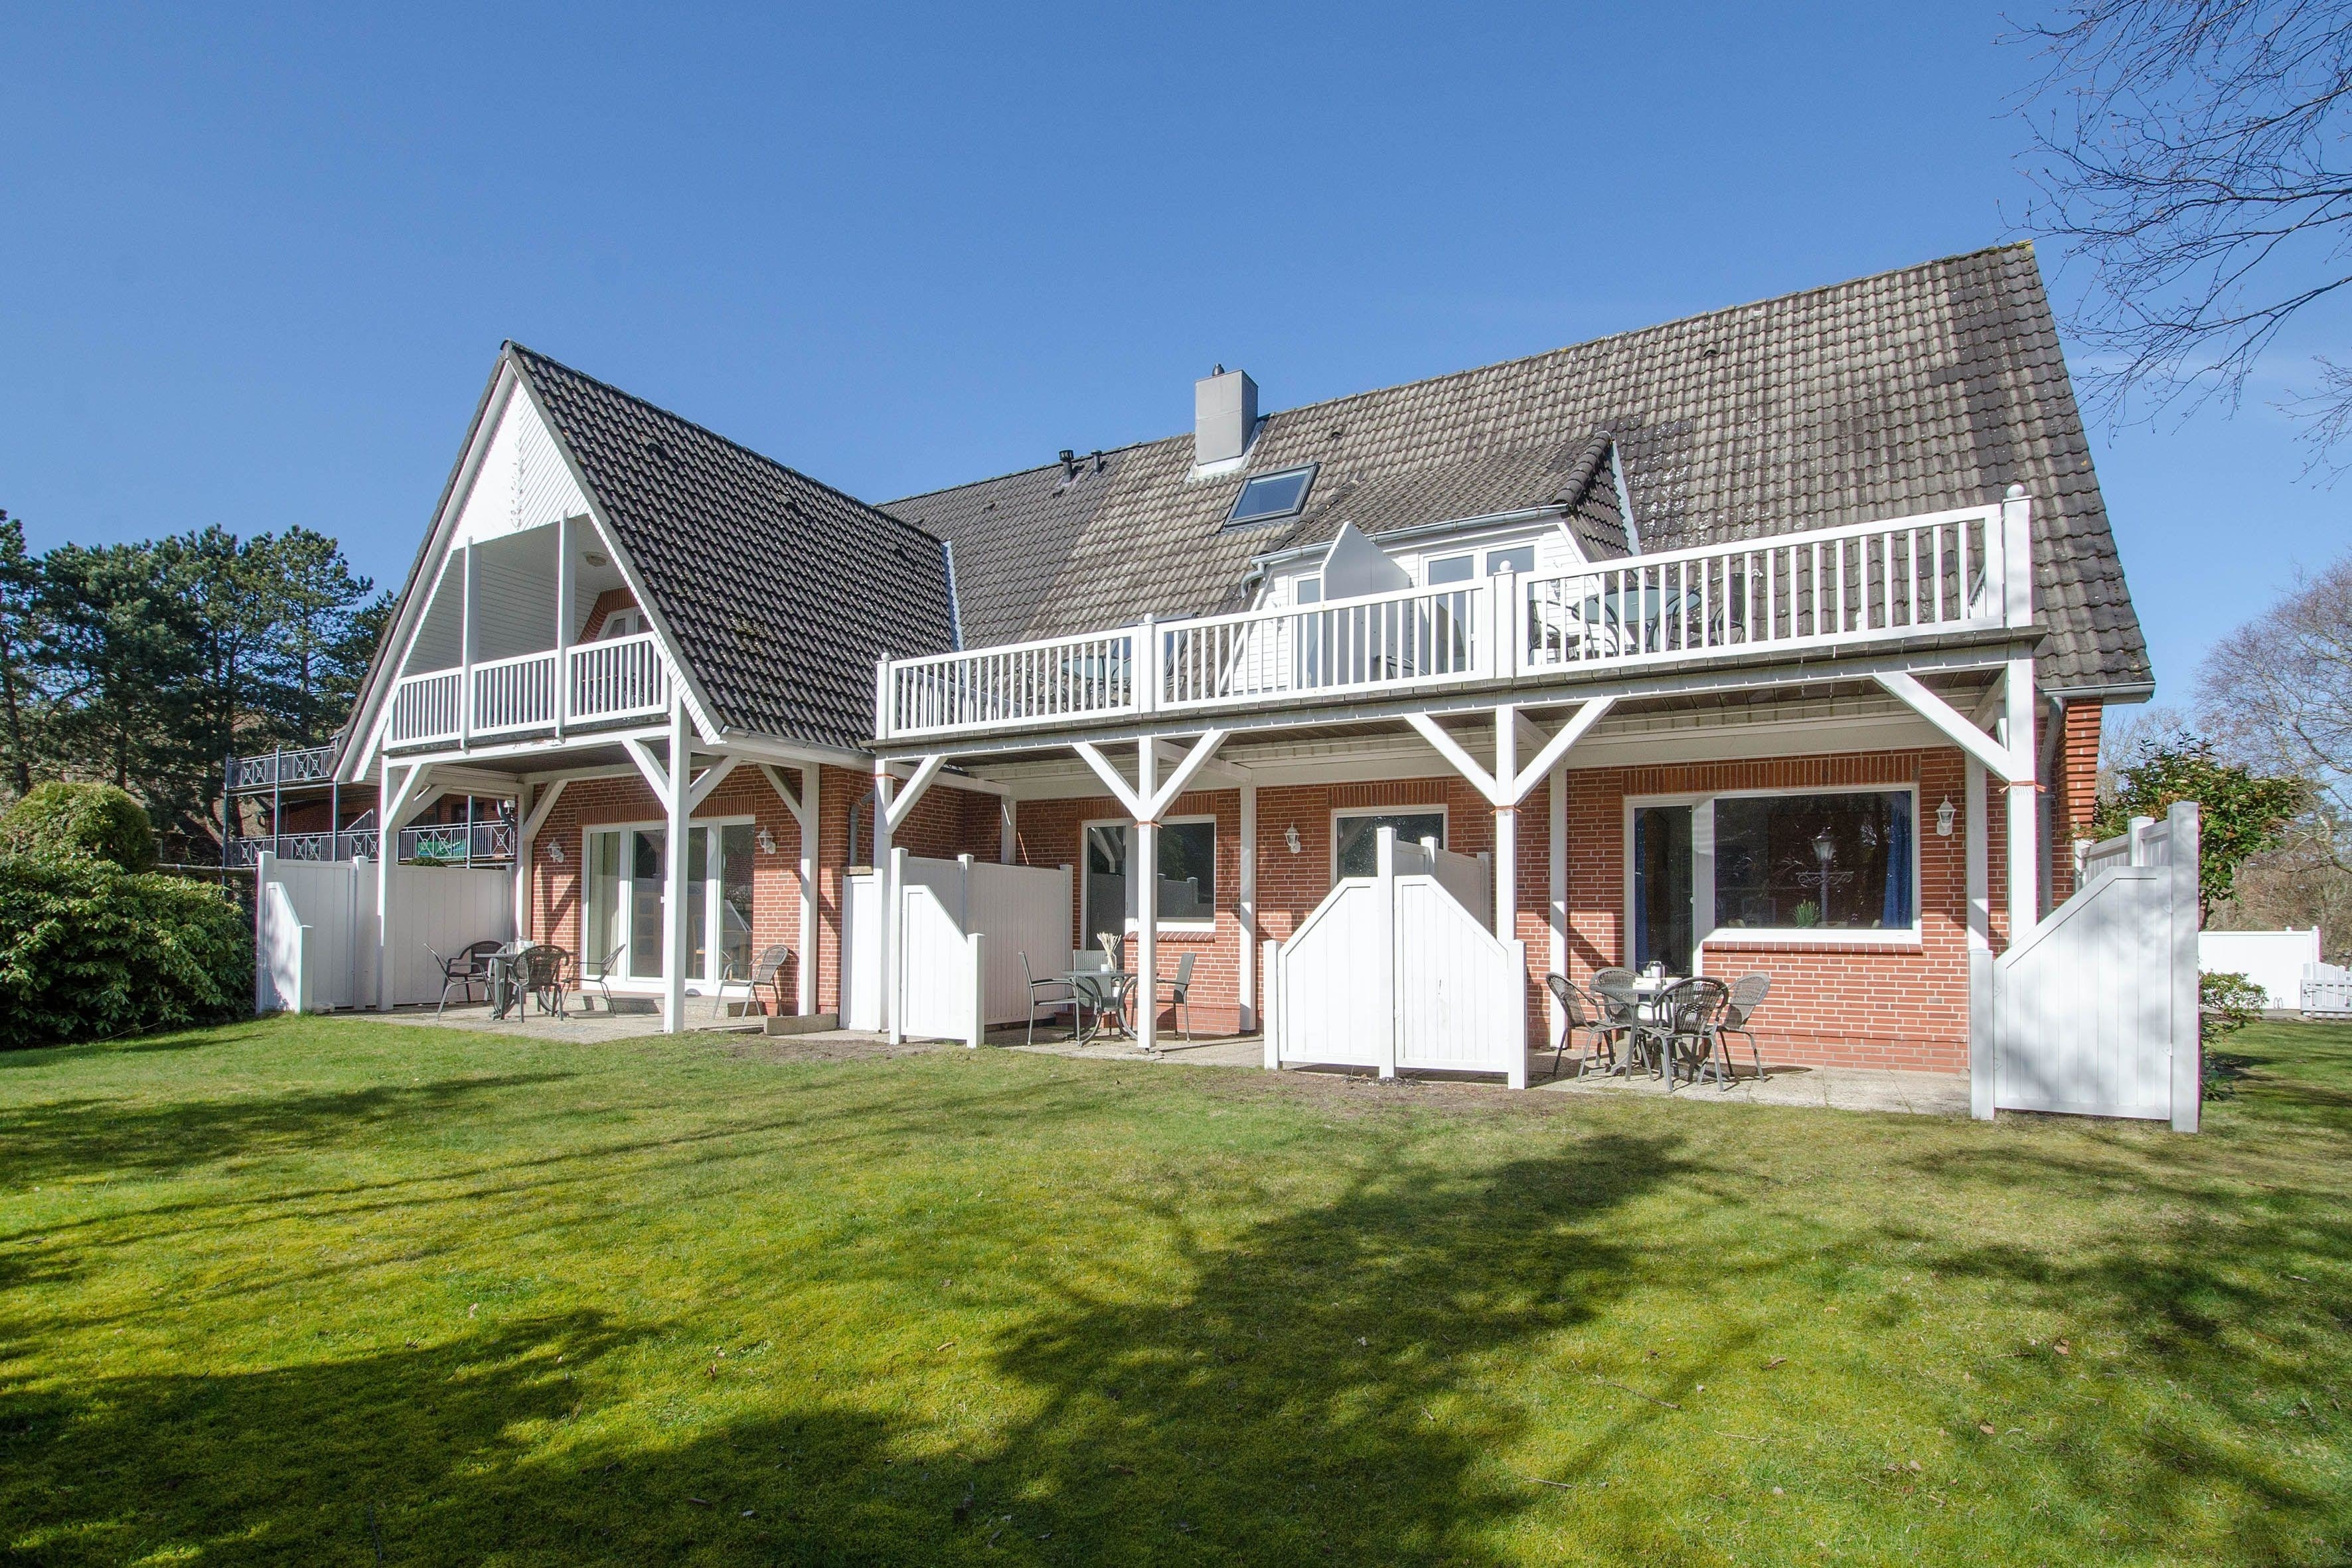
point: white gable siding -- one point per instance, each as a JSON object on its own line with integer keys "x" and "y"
{"x": 1556, "y": 550}
{"x": 437, "y": 643}
{"x": 522, "y": 481}
{"x": 514, "y": 594}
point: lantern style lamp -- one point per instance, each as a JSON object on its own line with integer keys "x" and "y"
{"x": 1824, "y": 852}
{"x": 1943, "y": 816}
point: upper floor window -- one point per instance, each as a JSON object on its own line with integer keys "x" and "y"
{"x": 1515, "y": 558}
{"x": 1270, "y": 496}
{"x": 623, "y": 624}
{"x": 1453, "y": 569}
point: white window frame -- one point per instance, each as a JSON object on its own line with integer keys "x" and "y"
{"x": 1702, "y": 929}
{"x": 1128, "y": 922}
{"x": 1331, "y": 838}
{"x": 713, "y": 893}
{"x": 631, "y": 615}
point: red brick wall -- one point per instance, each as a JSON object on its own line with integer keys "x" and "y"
{"x": 1851, "y": 1004}
{"x": 2074, "y": 793}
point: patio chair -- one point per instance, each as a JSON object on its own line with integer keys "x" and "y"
{"x": 1050, "y": 984}
{"x": 598, "y": 972}
{"x": 1687, "y": 1027}
{"x": 1621, "y": 1011}
{"x": 1577, "y": 1013}
{"x": 1179, "y": 992}
{"x": 1748, "y": 994}
{"x": 544, "y": 969}
{"x": 468, "y": 967}
{"x": 764, "y": 972}
{"x": 1103, "y": 993}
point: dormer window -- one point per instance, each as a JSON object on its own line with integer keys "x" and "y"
{"x": 1271, "y": 495}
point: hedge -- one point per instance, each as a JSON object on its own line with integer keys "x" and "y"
{"x": 81, "y": 820}
{"x": 89, "y": 951}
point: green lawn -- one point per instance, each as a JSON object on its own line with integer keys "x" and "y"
{"x": 334, "y": 1293}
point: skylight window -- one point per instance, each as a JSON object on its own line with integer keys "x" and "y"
{"x": 1270, "y": 496}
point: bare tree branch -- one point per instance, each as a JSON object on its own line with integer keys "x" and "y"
{"x": 2191, "y": 154}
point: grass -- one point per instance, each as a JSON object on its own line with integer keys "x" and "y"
{"x": 321, "y": 1292}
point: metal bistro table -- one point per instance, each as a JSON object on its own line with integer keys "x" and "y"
{"x": 499, "y": 970}
{"x": 1099, "y": 986}
{"x": 1647, "y": 989}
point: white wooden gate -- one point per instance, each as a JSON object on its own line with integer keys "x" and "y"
{"x": 1392, "y": 971}
{"x": 2095, "y": 1012}
{"x": 861, "y": 951}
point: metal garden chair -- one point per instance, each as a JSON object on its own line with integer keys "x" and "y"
{"x": 545, "y": 972}
{"x": 1620, "y": 1012}
{"x": 1179, "y": 992}
{"x": 1577, "y": 1014}
{"x": 1053, "y": 1004}
{"x": 468, "y": 968}
{"x": 1748, "y": 994}
{"x": 598, "y": 972}
{"x": 1687, "y": 1027}
{"x": 764, "y": 972}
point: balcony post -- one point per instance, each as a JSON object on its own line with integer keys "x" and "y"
{"x": 2017, "y": 558}
{"x": 881, "y": 705}
{"x": 676, "y": 926}
{"x": 1143, "y": 874}
{"x": 1147, "y": 666}
{"x": 466, "y": 655}
{"x": 563, "y": 593}
{"x": 1503, "y": 626}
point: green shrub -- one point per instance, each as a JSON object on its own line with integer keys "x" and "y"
{"x": 89, "y": 951}
{"x": 2227, "y": 1003}
{"x": 80, "y": 818}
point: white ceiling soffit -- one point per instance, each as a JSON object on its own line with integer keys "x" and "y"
{"x": 522, "y": 481}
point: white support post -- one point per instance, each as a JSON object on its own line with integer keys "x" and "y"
{"x": 2187, "y": 1040}
{"x": 976, "y": 1034}
{"x": 1145, "y": 871}
{"x": 387, "y": 849}
{"x": 885, "y": 923}
{"x": 676, "y": 926}
{"x": 1007, "y": 832}
{"x": 1556, "y": 910}
{"x": 525, "y": 829}
{"x": 1245, "y": 910}
{"x": 1384, "y": 868}
{"x": 2024, "y": 809}
{"x": 564, "y": 596}
{"x": 1979, "y": 849}
{"x": 1272, "y": 954}
{"x": 464, "y": 659}
{"x": 1506, "y": 827}
{"x": 806, "y": 816}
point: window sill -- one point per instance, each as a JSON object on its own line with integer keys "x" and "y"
{"x": 1757, "y": 939}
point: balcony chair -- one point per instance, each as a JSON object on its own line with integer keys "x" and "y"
{"x": 1180, "y": 996}
{"x": 1578, "y": 1012}
{"x": 1748, "y": 994}
{"x": 1053, "y": 1004}
{"x": 464, "y": 969}
{"x": 765, "y": 970}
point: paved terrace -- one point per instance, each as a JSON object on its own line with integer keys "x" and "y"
{"x": 1833, "y": 1089}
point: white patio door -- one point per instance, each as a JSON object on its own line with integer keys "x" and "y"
{"x": 628, "y": 885}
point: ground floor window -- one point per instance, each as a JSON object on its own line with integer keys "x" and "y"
{"x": 626, "y": 875}
{"x": 1355, "y": 838}
{"x": 1188, "y": 876}
{"x": 1841, "y": 865}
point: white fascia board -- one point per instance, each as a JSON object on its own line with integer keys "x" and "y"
{"x": 371, "y": 707}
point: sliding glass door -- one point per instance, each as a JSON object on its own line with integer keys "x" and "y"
{"x": 627, "y": 885}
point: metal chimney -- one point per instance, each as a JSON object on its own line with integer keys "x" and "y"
{"x": 1224, "y": 415}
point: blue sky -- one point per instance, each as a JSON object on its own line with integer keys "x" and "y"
{"x": 254, "y": 265}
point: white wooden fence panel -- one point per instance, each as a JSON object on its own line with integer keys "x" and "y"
{"x": 282, "y": 949}
{"x": 937, "y": 989}
{"x": 1335, "y": 993}
{"x": 2326, "y": 990}
{"x": 2273, "y": 960}
{"x": 861, "y": 960}
{"x": 1460, "y": 994}
{"x": 1019, "y": 908}
{"x": 444, "y": 908}
{"x": 1468, "y": 878}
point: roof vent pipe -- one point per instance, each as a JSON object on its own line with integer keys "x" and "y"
{"x": 1069, "y": 464}
{"x": 1225, "y": 416}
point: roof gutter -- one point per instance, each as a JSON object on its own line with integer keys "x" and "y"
{"x": 2133, "y": 691}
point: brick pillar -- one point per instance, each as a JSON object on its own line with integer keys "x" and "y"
{"x": 2073, "y": 793}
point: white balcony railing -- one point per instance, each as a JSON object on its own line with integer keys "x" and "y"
{"x": 627, "y": 678}
{"x": 1824, "y": 588}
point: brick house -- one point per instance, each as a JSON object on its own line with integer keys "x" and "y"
{"x": 1776, "y": 639}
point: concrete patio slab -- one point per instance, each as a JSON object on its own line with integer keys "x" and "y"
{"x": 1833, "y": 1089}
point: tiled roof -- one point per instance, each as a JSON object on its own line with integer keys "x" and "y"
{"x": 1932, "y": 387}
{"x": 781, "y": 592}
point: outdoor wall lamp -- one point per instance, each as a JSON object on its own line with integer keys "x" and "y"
{"x": 556, "y": 853}
{"x": 1290, "y": 837}
{"x": 767, "y": 842}
{"x": 1944, "y": 814}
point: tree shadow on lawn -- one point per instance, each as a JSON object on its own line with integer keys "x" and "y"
{"x": 2208, "y": 1337}
{"x": 54, "y": 1139}
{"x": 1278, "y": 1408}
{"x": 454, "y": 1452}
